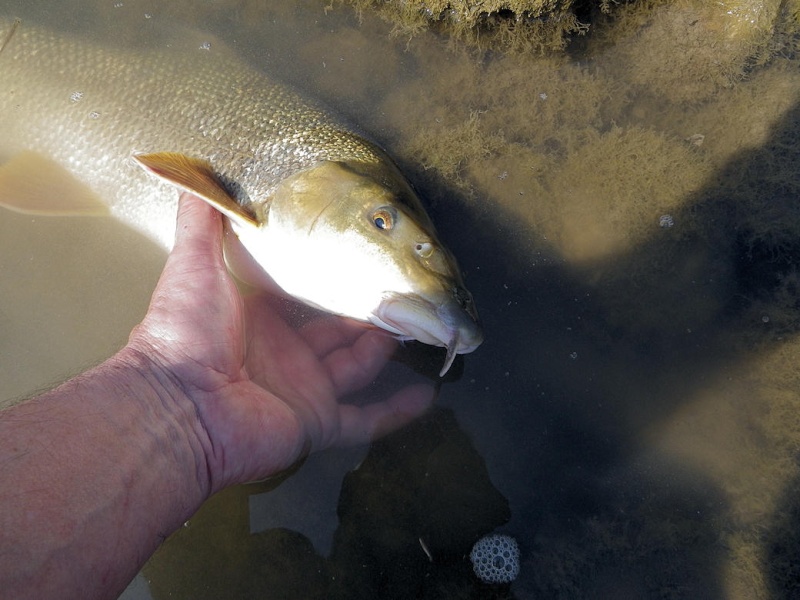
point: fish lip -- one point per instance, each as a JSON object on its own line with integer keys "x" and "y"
{"x": 441, "y": 321}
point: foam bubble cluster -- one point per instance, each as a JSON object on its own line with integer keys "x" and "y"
{"x": 495, "y": 558}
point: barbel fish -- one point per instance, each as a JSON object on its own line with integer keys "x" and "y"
{"x": 313, "y": 208}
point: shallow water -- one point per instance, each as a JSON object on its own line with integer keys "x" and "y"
{"x": 630, "y": 418}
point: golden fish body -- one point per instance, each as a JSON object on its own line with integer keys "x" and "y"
{"x": 315, "y": 208}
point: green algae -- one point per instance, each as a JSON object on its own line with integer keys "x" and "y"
{"x": 584, "y": 156}
{"x": 686, "y": 50}
{"x": 539, "y": 26}
{"x": 744, "y": 29}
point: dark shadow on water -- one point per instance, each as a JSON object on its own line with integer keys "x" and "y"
{"x": 406, "y": 515}
{"x": 594, "y": 365}
{"x": 591, "y": 367}
{"x": 542, "y": 436}
{"x": 578, "y": 362}
{"x": 782, "y": 556}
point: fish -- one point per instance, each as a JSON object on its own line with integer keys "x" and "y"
{"x": 313, "y": 209}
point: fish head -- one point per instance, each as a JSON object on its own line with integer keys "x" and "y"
{"x": 354, "y": 240}
{"x": 350, "y": 238}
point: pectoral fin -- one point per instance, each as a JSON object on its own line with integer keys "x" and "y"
{"x": 34, "y": 184}
{"x": 198, "y": 177}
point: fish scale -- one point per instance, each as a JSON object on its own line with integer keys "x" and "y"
{"x": 202, "y": 101}
{"x": 317, "y": 211}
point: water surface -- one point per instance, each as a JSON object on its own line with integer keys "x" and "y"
{"x": 629, "y": 231}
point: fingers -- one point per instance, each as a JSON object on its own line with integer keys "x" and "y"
{"x": 195, "y": 247}
{"x": 279, "y": 359}
{"x": 361, "y": 425}
{"x": 350, "y": 354}
{"x": 328, "y": 333}
{"x": 350, "y": 368}
{"x": 195, "y": 311}
{"x": 199, "y": 230}
{"x": 195, "y": 263}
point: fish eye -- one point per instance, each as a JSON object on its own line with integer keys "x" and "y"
{"x": 383, "y": 219}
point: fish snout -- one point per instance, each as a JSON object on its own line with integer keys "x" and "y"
{"x": 460, "y": 317}
{"x": 464, "y": 299}
{"x": 460, "y": 322}
{"x": 447, "y": 318}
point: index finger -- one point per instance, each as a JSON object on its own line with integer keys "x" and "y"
{"x": 363, "y": 424}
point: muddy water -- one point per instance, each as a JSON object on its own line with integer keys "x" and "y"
{"x": 627, "y": 222}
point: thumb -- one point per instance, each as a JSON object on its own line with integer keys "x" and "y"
{"x": 198, "y": 232}
{"x": 196, "y": 260}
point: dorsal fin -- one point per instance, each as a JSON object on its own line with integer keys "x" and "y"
{"x": 198, "y": 177}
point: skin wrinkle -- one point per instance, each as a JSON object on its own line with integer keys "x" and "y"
{"x": 134, "y": 446}
{"x": 288, "y": 369}
{"x": 164, "y": 381}
{"x": 214, "y": 453}
{"x": 318, "y": 216}
{"x": 168, "y": 402}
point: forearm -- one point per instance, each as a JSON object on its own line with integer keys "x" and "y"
{"x": 93, "y": 476}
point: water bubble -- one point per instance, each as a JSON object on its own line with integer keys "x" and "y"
{"x": 205, "y": 46}
{"x": 666, "y": 221}
{"x": 75, "y": 96}
{"x": 495, "y": 559}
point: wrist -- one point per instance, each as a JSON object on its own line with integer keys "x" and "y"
{"x": 167, "y": 414}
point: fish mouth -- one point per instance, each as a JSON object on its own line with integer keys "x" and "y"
{"x": 448, "y": 320}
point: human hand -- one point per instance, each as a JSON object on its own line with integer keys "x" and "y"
{"x": 264, "y": 394}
